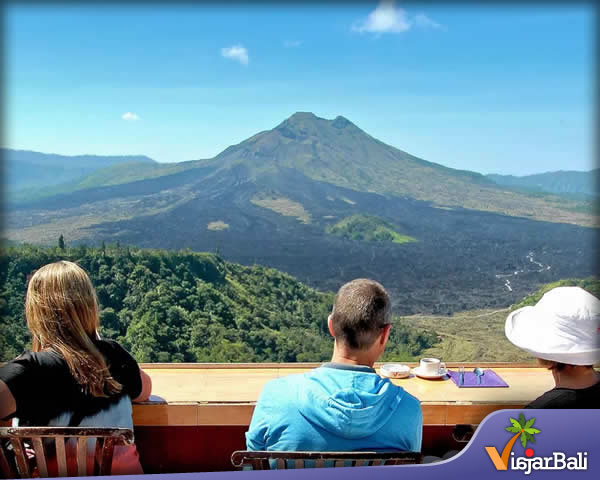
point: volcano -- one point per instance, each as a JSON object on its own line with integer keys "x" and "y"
{"x": 325, "y": 201}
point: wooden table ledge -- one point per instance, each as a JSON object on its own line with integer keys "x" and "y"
{"x": 225, "y": 394}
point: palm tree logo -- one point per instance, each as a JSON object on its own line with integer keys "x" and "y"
{"x": 521, "y": 428}
{"x": 524, "y": 429}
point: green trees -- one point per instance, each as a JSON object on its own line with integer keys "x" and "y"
{"x": 367, "y": 228}
{"x": 591, "y": 284}
{"x": 167, "y": 306}
{"x": 522, "y": 429}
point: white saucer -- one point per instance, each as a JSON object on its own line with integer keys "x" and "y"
{"x": 395, "y": 370}
{"x": 441, "y": 373}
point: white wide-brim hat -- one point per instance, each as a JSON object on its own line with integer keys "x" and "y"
{"x": 564, "y": 326}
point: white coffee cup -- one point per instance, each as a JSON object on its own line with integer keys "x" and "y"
{"x": 432, "y": 366}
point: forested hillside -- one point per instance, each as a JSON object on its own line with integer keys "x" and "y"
{"x": 368, "y": 228}
{"x": 478, "y": 335}
{"x": 591, "y": 284}
{"x": 167, "y": 306}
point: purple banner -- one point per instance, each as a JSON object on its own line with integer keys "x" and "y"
{"x": 555, "y": 444}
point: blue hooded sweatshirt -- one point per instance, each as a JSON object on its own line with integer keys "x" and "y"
{"x": 335, "y": 408}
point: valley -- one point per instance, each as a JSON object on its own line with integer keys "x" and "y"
{"x": 478, "y": 335}
{"x": 325, "y": 202}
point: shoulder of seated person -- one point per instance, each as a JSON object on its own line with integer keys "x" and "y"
{"x": 107, "y": 342}
{"x": 407, "y": 400}
{"x": 410, "y": 399}
{"x": 280, "y": 387}
{"x": 281, "y": 382}
{"x": 44, "y": 356}
{"x": 547, "y": 399}
{"x": 108, "y": 346}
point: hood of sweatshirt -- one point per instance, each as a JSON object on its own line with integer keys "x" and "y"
{"x": 348, "y": 403}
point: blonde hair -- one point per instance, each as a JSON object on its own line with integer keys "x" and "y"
{"x": 62, "y": 315}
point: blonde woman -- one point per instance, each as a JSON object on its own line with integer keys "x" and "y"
{"x": 71, "y": 377}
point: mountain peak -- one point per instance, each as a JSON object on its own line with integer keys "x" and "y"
{"x": 341, "y": 122}
{"x": 300, "y": 125}
{"x": 308, "y": 122}
{"x": 302, "y": 116}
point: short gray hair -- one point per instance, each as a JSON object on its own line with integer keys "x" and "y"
{"x": 361, "y": 308}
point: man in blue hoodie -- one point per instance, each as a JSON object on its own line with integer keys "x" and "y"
{"x": 343, "y": 405}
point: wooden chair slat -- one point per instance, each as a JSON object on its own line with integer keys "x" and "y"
{"x": 61, "y": 457}
{"x": 28, "y": 432}
{"x": 40, "y": 456}
{"x": 106, "y": 439}
{"x": 5, "y": 467}
{"x": 82, "y": 444}
{"x": 282, "y": 459}
{"x": 107, "y": 455}
{"x": 20, "y": 457}
{"x": 98, "y": 455}
{"x": 258, "y": 464}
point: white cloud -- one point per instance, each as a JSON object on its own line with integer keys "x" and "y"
{"x": 423, "y": 21}
{"x": 292, "y": 43}
{"x": 131, "y": 117}
{"x": 386, "y": 18}
{"x": 237, "y": 52}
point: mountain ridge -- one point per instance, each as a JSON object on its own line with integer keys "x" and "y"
{"x": 272, "y": 199}
{"x": 561, "y": 182}
{"x": 26, "y": 170}
{"x": 306, "y": 126}
{"x": 338, "y": 152}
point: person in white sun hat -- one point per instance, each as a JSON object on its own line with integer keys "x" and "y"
{"x": 563, "y": 332}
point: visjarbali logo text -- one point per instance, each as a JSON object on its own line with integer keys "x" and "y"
{"x": 524, "y": 430}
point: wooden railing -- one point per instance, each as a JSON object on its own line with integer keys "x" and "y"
{"x": 225, "y": 394}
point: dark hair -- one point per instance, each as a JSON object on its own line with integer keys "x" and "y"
{"x": 361, "y": 308}
{"x": 558, "y": 366}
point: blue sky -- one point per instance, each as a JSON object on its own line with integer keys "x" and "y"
{"x": 501, "y": 88}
